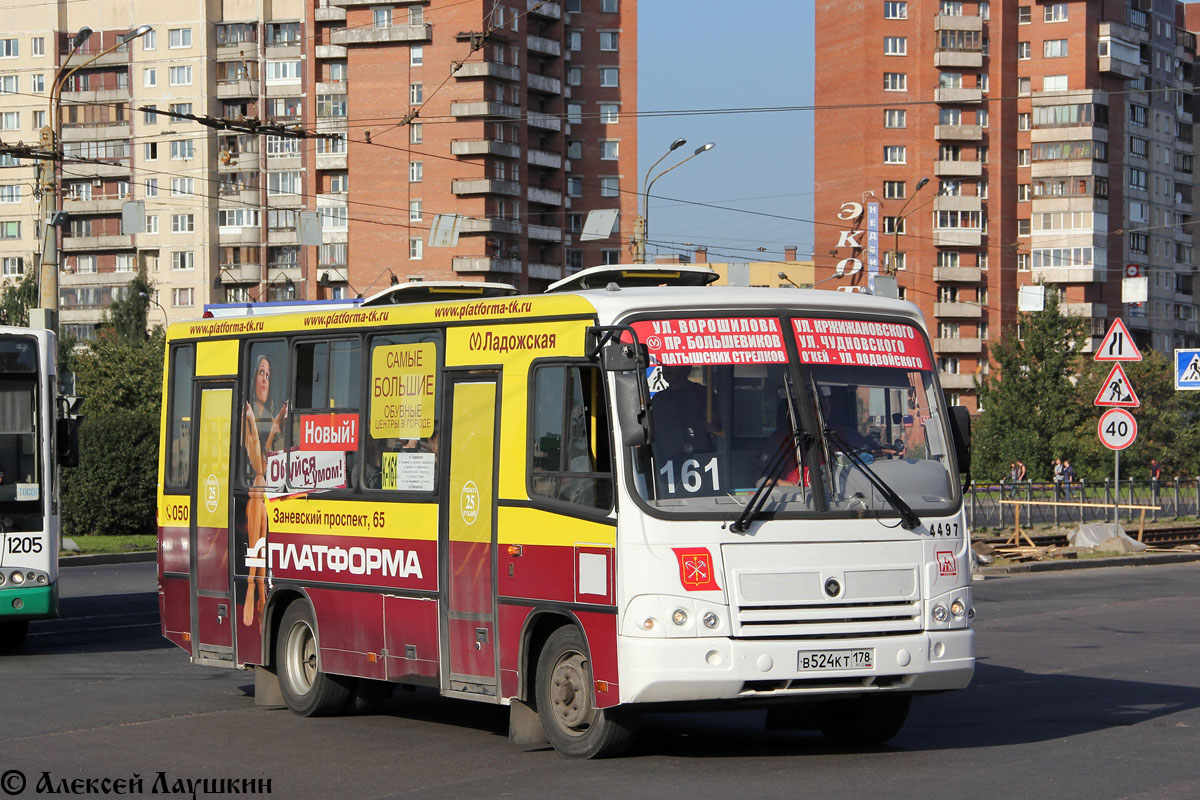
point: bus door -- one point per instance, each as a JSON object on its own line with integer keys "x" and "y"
{"x": 467, "y": 538}
{"x": 212, "y": 595}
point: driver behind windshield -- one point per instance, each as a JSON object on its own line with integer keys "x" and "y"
{"x": 678, "y": 413}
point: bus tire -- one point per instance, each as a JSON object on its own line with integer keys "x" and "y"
{"x": 12, "y": 633}
{"x": 862, "y": 721}
{"x": 566, "y": 705}
{"x": 306, "y": 690}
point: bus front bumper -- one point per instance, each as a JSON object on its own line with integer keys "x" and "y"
{"x": 32, "y": 602}
{"x": 680, "y": 670}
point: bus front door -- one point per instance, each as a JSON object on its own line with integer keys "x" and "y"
{"x": 467, "y": 540}
{"x": 212, "y": 597}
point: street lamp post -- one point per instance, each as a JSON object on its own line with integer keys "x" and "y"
{"x": 642, "y": 225}
{"x": 896, "y": 226}
{"x": 51, "y": 139}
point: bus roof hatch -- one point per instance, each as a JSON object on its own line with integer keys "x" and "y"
{"x": 630, "y": 275}
{"x": 429, "y": 291}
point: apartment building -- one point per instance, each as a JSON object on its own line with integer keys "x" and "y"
{"x": 976, "y": 148}
{"x": 502, "y": 125}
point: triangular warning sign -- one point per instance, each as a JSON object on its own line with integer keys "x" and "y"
{"x": 1117, "y": 344}
{"x": 1116, "y": 390}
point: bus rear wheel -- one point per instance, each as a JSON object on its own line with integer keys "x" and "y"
{"x": 566, "y": 704}
{"x": 863, "y": 721}
{"x": 306, "y": 690}
{"x": 12, "y": 634}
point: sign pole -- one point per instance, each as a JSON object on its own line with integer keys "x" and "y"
{"x": 1116, "y": 485}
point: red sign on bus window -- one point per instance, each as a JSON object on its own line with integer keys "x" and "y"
{"x": 861, "y": 343}
{"x": 329, "y": 432}
{"x": 713, "y": 340}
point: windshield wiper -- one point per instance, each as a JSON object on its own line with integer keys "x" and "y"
{"x": 798, "y": 443}
{"x": 908, "y": 518}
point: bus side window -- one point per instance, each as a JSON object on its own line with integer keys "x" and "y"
{"x": 179, "y": 449}
{"x": 401, "y": 426}
{"x": 326, "y": 420}
{"x": 265, "y": 406}
{"x": 570, "y": 455}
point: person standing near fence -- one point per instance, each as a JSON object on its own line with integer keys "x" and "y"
{"x": 1068, "y": 477}
{"x": 1058, "y": 478}
{"x": 1012, "y": 479}
{"x": 1020, "y": 477}
{"x": 1155, "y": 474}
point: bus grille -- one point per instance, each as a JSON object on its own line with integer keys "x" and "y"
{"x": 828, "y": 620}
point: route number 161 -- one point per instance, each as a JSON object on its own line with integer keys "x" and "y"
{"x": 692, "y": 476}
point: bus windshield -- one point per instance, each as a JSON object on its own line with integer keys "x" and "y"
{"x": 20, "y": 470}
{"x": 809, "y": 405}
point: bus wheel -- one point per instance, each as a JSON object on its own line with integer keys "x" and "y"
{"x": 306, "y": 690}
{"x": 863, "y": 721}
{"x": 12, "y": 634}
{"x": 573, "y": 724}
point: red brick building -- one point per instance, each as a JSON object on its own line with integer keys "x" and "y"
{"x": 1057, "y": 143}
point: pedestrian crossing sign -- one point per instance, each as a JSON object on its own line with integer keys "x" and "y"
{"x": 1117, "y": 390}
{"x": 1187, "y": 369}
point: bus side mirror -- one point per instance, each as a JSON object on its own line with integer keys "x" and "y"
{"x": 627, "y": 361}
{"x": 960, "y": 429}
{"x": 68, "y": 441}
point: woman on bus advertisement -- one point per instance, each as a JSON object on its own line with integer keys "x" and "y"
{"x": 262, "y": 426}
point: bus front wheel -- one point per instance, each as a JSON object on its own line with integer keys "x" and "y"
{"x": 306, "y": 690}
{"x": 863, "y": 721}
{"x": 566, "y": 704}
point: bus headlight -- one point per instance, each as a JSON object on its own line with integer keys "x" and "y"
{"x": 17, "y": 578}
{"x": 711, "y": 620}
{"x": 958, "y": 609}
{"x": 939, "y": 614}
{"x": 680, "y": 617}
{"x": 647, "y": 615}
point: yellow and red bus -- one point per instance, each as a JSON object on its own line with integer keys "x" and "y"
{"x": 632, "y": 492}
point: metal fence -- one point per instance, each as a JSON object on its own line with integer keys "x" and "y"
{"x": 1173, "y": 497}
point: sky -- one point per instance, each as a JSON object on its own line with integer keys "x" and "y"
{"x": 704, "y": 54}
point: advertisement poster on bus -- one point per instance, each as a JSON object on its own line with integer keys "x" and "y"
{"x": 403, "y": 390}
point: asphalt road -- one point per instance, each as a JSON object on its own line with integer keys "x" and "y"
{"x": 1087, "y": 687}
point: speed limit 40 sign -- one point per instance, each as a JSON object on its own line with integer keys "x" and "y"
{"x": 1117, "y": 429}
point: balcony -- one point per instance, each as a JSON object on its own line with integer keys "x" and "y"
{"x": 544, "y": 83}
{"x": 333, "y": 87}
{"x": 282, "y": 236}
{"x": 511, "y": 266}
{"x": 239, "y": 273}
{"x": 958, "y": 203}
{"x": 112, "y": 242}
{"x": 395, "y": 33}
{"x": 96, "y": 97}
{"x": 1118, "y": 54}
{"x": 484, "y": 147}
{"x": 485, "y": 186}
{"x": 119, "y": 58}
{"x": 547, "y": 197}
{"x": 951, "y": 22}
{"x": 331, "y": 161}
{"x": 1086, "y": 273}
{"x": 485, "y": 108}
{"x": 957, "y": 237}
{"x": 543, "y": 8}
{"x": 540, "y": 158}
{"x": 101, "y": 205}
{"x": 92, "y": 132}
{"x": 956, "y": 380}
{"x": 957, "y": 94}
{"x": 473, "y": 225}
{"x": 545, "y": 272}
{"x": 957, "y": 345}
{"x": 331, "y": 51}
{"x": 544, "y": 233}
{"x": 488, "y": 69}
{"x": 98, "y": 170}
{"x": 242, "y": 88}
{"x": 965, "y": 133}
{"x": 958, "y": 169}
{"x": 231, "y": 236}
{"x": 958, "y": 59}
{"x": 330, "y": 14}
{"x": 545, "y": 122}
{"x": 958, "y": 274}
{"x": 957, "y": 310}
{"x": 540, "y": 44}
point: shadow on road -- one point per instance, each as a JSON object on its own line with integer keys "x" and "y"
{"x": 107, "y": 622}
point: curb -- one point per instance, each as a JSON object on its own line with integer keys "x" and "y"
{"x": 1149, "y": 559}
{"x": 137, "y": 557}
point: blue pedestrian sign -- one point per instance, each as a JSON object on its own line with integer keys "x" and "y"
{"x": 1187, "y": 369}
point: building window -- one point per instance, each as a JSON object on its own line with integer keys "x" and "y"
{"x": 183, "y": 260}
{"x": 415, "y": 213}
{"x": 416, "y": 94}
{"x": 183, "y": 223}
{"x": 893, "y": 190}
{"x": 180, "y": 76}
{"x": 283, "y": 71}
{"x": 951, "y": 8}
{"x": 609, "y": 113}
{"x": 897, "y": 10}
{"x": 610, "y": 186}
{"x": 893, "y": 154}
{"x": 1138, "y": 147}
{"x": 981, "y": 117}
{"x": 39, "y": 46}
{"x": 283, "y": 147}
{"x": 38, "y": 82}
{"x": 574, "y": 150}
{"x": 13, "y": 265}
{"x": 331, "y": 105}
{"x": 574, "y": 113}
{"x": 416, "y": 133}
{"x": 416, "y": 171}
{"x": 284, "y": 182}
{"x": 1023, "y": 86}
{"x": 382, "y": 17}
{"x": 416, "y": 15}
{"x": 609, "y": 77}
{"x": 1023, "y": 50}
{"x": 179, "y": 37}
{"x": 1022, "y": 262}
{"x": 333, "y": 218}
{"x": 416, "y": 55}
{"x": 574, "y": 186}
{"x": 608, "y": 6}
{"x": 1055, "y": 12}
{"x": 1054, "y": 48}
{"x": 1022, "y": 157}
{"x": 895, "y": 118}
{"x": 946, "y": 259}
{"x": 609, "y": 149}
{"x": 183, "y": 297}
{"x": 899, "y": 259}
{"x": 608, "y": 40}
{"x": 152, "y": 223}
{"x": 10, "y": 84}
{"x": 182, "y": 149}
{"x": 575, "y": 40}
{"x": 1137, "y": 115}
{"x": 950, "y": 116}
{"x": 1024, "y": 16}
{"x": 1054, "y": 83}
{"x": 895, "y": 46}
{"x": 1022, "y": 192}
{"x": 10, "y": 121}
{"x": 574, "y": 76}
{"x": 150, "y": 77}
{"x": 339, "y": 182}
{"x": 1023, "y": 121}
{"x": 1137, "y": 179}
{"x": 893, "y": 226}
{"x": 895, "y": 81}
{"x": 415, "y": 251}
{"x": 10, "y": 229}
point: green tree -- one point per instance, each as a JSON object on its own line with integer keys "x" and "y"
{"x": 113, "y": 490}
{"x": 1031, "y": 409}
{"x": 17, "y": 298}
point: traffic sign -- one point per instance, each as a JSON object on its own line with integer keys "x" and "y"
{"x": 1187, "y": 369}
{"x": 1117, "y": 390}
{"x": 1117, "y": 344}
{"x": 1117, "y": 429}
